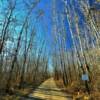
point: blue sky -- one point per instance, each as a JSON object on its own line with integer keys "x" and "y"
{"x": 44, "y": 24}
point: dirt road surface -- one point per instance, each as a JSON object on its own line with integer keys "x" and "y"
{"x": 49, "y": 91}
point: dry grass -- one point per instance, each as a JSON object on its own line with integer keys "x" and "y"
{"x": 78, "y": 91}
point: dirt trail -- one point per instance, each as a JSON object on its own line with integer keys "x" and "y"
{"x": 49, "y": 91}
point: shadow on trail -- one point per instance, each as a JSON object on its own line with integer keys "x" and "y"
{"x": 30, "y": 98}
{"x": 21, "y": 95}
{"x": 26, "y": 96}
{"x": 44, "y": 90}
{"x": 48, "y": 91}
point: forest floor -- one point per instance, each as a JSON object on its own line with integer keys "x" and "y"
{"x": 78, "y": 94}
{"x": 48, "y": 90}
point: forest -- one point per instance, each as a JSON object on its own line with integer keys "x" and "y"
{"x": 46, "y": 39}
